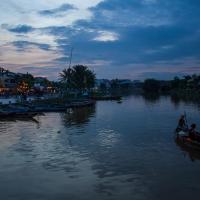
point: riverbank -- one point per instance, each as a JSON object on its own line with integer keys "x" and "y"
{"x": 37, "y": 106}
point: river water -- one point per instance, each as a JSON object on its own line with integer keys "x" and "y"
{"x": 109, "y": 151}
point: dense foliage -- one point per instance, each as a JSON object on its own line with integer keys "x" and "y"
{"x": 78, "y": 77}
{"x": 187, "y": 83}
{"x": 151, "y": 85}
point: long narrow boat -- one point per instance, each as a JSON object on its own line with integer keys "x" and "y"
{"x": 182, "y": 137}
{"x": 106, "y": 98}
{"x": 16, "y": 112}
{"x": 52, "y": 108}
{"x": 8, "y": 114}
{"x": 80, "y": 104}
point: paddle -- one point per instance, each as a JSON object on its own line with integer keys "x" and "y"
{"x": 185, "y": 116}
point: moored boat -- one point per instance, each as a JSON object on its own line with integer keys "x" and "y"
{"x": 81, "y": 104}
{"x": 49, "y": 108}
{"x": 106, "y": 98}
{"x": 15, "y": 112}
{"x": 5, "y": 114}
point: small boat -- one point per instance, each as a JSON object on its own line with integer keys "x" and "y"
{"x": 119, "y": 101}
{"x": 49, "y": 108}
{"x": 25, "y": 115}
{"x": 106, "y": 98}
{"x": 16, "y": 112}
{"x": 5, "y": 114}
{"x": 182, "y": 137}
{"x": 80, "y": 104}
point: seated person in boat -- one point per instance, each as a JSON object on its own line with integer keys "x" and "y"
{"x": 192, "y": 131}
{"x": 193, "y": 134}
{"x": 182, "y": 123}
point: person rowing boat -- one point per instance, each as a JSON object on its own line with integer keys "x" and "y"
{"x": 189, "y": 137}
{"x": 182, "y": 124}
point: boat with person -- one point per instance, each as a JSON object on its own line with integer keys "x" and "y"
{"x": 186, "y": 136}
{"x": 182, "y": 137}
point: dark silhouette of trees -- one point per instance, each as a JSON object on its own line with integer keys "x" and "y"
{"x": 78, "y": 77}
{"x": 151, "y": 85}
{"x": 187, "y": 86}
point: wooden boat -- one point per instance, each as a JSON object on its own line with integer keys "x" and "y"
{"x": 14, "y": 111}
{"x": 81, "y": 104}
{"x": 32, "y": 110}
{"x": 25, "y": 115}
{"x": 61, "y": 107}
{"x": 182, "y": 137}
{"x": 5, "y": 114}
{"x": 53, "y": 108}
{"x": 106, "y": 98}
{"x": 119, "y": 101}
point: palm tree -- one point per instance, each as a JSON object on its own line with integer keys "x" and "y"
{"x": 66, "y": 77}
{"x": 83, "y": 77}
{"x": 79, "y": 77}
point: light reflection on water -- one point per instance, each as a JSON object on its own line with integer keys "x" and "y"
{"x": 109, "y": 151}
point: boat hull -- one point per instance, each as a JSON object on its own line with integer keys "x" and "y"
{"x": 184, "y": 140}
{"x": 17, "y": 115}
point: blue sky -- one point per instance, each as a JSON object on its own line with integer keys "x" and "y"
{"x": 133, "y": 39}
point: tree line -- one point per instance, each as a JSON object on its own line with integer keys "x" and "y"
{"x": 188, "y": 82}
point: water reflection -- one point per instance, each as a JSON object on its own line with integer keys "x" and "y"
{"x": 124, "y": 151}
{"x": 176, "y": 100}
{"x": 78, "y": 116}
{"x": 15, "y": 119}
{"x": 108, "y": 138}
{"x": 193, "y": 155}
{"x": 151, "y": 98}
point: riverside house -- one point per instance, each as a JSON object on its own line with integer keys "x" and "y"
{"x": 7, "y": 81}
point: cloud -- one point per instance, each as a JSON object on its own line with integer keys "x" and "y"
{"x": 45, "y": 71}
{"x": 132, "y": 12}
{"x": 23, "y": 12}
{"x": 131, "y": 38}
{"x": 20, "y": 29}
{"x": 22, "y": 53}
{"x": 106, "y": 36}
{"x": 23, "y": 45}
{"x": 57, "y": 11}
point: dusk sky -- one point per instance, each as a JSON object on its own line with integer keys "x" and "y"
{"x": 131, "y": 39}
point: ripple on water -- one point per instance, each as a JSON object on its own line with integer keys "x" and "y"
{"x": 110, "y": 151}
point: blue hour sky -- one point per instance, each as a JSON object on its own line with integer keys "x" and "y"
{"x": 132, "y": 39}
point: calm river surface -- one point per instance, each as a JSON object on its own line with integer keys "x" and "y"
{"x": 110, "y": 151}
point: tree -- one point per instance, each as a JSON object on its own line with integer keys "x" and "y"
{"x": 151, "y": 85}
{"x": 187, "y": 77}
{"x": 66, "y": 77}
{"x": 176, "y": 82}
{"x": 114, "y": 83}
{"x": 78, "y": 77}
